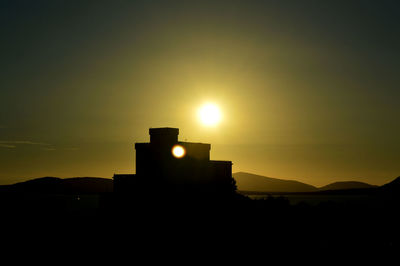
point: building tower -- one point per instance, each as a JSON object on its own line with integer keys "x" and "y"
{"x": 166, "y": 164}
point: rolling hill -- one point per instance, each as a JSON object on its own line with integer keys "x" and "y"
{"x": 346, "y": 185}
{"x": 252, "y": 182}
{"x": 244, "y": 181}
{"x": 55, "y": 185}
{"x": 392, "y": 187}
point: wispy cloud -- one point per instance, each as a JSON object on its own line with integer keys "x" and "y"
{"x": 3, "y": 145}
{"x": 71, "y": 149}
{"x": 49, "y": 149}
{"x": 13, "y": 143}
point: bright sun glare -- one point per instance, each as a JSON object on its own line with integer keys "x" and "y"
{"x": 178, "y": 151}
{"x": 209, "y": 114}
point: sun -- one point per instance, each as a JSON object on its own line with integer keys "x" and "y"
{"x": 210, "y": 114}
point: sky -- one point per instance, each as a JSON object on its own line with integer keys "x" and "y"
{"x": 309, "y": 90}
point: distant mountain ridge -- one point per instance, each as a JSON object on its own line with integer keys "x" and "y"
{"x": 392, "y": 187}
{"x": 56, "y": 185}
{"x": 244, "y": 181}
{"x": 259, "y": 183}
{"x": 346, "y": 185}
{"x": 252, "y": 182}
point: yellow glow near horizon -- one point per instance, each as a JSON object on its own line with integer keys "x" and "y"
{"x": 210, "y": 114}
{"x": 178, "y": 151}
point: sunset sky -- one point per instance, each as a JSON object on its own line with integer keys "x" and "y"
{"x": 308, "y": 90}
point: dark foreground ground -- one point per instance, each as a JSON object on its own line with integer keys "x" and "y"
{"x": 230, "y": 226}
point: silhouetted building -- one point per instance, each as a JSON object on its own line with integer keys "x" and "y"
{"x": 168, "y": 164}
